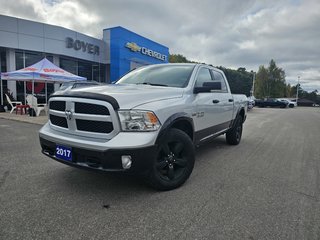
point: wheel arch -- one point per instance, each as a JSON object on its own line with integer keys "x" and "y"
{"x": 179, "y": 121}
{"x": 241, "y": 112}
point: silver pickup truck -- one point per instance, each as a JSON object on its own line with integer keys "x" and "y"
{"x": 149, "y": 122}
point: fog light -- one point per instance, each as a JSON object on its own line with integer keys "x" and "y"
{"x": 126, "y": 161}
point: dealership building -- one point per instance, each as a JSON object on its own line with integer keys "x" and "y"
{"x": 24, "y": 42}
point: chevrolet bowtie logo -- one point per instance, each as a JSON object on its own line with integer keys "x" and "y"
{"x": 133, "y": 47}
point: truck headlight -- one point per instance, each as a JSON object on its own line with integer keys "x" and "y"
{"x": 138, "y": 120}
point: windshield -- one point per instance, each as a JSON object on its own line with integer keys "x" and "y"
{"x": 159, "y": 75}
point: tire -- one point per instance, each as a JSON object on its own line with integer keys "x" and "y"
{"x": 174, "y": 161}
{"x": 233, "y": 136}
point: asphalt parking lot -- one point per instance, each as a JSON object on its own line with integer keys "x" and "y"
{"x": 265, "y": 188}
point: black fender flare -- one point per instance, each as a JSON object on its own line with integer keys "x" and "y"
{"x": 180, "y": 116}
{"x": 238, "y": 113}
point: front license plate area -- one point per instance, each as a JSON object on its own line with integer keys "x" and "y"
{"x": 64, "y": 153}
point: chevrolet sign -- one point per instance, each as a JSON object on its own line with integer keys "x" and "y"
{"x": 133, "y": 47}
{"x": 145, "y": 51}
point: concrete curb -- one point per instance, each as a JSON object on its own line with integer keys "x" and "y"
{"x": 41, "y": 120}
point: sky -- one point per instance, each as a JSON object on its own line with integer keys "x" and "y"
{"x": 230, "y": 33}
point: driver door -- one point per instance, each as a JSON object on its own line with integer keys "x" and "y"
{"x": 206, "y": 109}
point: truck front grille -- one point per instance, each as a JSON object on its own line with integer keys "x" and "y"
{"x": 89, "y": 108}
{"x": 94, "y": 126}
{"x": 58, "y": 121}
{"x": 58, "y": 105}
{"x": 83, "y": 117}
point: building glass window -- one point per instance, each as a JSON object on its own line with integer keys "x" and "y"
{"x": 25, "y": 59}
{"x": 49, "y": 57}
{"x": 85, "y": 69}
{"x": 19, "y": 60}
{"x": 90, "y": 70}
{"x": 99, "y": 72}
{"x": 32, "y": 58}
{"x": 3, "y": 64}
{"x": 3, "y": 60}
{"x": 105, "y": 73}
{"x": 69, "y": 65}
{"x": 96, "y": 72}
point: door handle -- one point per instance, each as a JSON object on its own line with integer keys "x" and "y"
{"x": 230, "y": 100}
{"x": 215, "y": 101}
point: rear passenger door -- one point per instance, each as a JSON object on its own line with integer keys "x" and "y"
{"x": 225, "y": 104}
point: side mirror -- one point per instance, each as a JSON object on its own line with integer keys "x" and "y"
{"x": 208, "y": 87}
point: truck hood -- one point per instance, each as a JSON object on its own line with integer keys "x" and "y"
{"x": 131, "y": 96}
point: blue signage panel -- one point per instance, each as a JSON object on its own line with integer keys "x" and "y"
{"x": 129, "y": 50}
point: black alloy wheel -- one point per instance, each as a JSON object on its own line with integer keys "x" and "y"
{"x": 233, "y": 136}
{"x": 238, "y": 132}
{"x": 174, "y": 162}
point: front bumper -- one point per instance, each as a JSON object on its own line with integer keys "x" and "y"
{"x": 107, "y": 160}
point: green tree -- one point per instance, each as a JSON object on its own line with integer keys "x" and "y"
{"x": 270, "y": 82}
{"x": 288, "y": 91}
{"x": 277, "y": 80}
{"x": 178, "y": 58}
{"x": 313, "y": 96}
{"x": 240, "y": 80}
{"x": 261, "y": 85}
{"x": 301, "y": 93}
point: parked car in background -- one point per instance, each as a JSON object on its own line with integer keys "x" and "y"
{"x": 271, "y": 102}
{"x": 251, "y": 102}
{"x": 290, "y": 103}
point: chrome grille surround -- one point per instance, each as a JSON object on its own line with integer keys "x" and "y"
{"x": 92, "y": 121}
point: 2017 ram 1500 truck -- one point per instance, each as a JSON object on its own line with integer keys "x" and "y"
{"x": 148, "y": 122}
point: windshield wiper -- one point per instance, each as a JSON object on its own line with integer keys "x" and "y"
{"x": 153, "y": 84}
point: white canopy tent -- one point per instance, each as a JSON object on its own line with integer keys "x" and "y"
{"x": 42, "y": 71}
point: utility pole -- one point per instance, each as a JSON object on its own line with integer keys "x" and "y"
{"x": 253, "y": 79}
{"x": 298, "y": 85}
